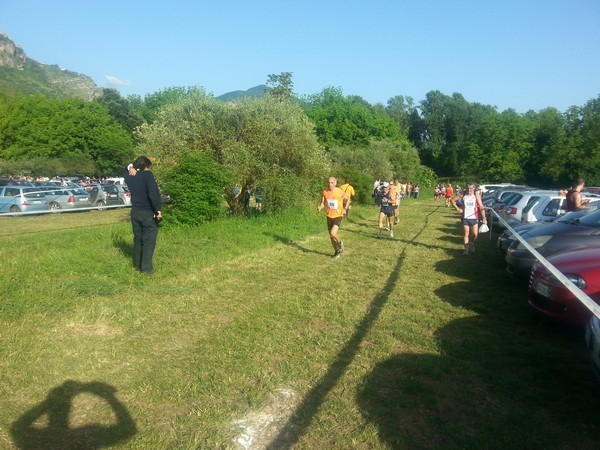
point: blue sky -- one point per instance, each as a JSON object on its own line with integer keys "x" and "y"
{"x": 521, "y": 54}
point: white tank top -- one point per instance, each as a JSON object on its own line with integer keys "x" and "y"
{"x": 470, "y": 209}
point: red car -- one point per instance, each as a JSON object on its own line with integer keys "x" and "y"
{"x": 550, "y": 297}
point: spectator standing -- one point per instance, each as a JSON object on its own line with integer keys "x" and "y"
{"x": 145, "y": 212}
{"x": 574, "y": 200}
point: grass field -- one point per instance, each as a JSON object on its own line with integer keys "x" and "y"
{"x": 249, "y": 335}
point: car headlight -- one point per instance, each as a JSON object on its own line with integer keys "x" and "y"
{"x": 535, "y": 242}
{"x": 577, "y": 280}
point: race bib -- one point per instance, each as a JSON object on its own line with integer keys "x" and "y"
{"x": 332, "y": 204}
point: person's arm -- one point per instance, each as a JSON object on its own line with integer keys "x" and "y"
{"x": 578, "y": 202}
{"x": 453, "y": 200}
{"x": 482, "y": 209}
{"x": 154, "y": 195}
{"x": 320, "y": 207}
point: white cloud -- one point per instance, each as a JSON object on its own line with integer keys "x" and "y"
{"x": 116, "y": 81}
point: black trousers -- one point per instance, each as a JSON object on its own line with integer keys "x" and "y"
{"x": 145, "y": 230}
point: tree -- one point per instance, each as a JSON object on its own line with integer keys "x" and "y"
{"x": 263, "y": 141}
{"x": 350, "y": 120}
{"x": 120, "y": 110}
{"x": 280, "y": 86}
{"x": 69, "y": 129}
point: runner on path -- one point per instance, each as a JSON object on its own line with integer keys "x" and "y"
{"x": 337, "y": 202}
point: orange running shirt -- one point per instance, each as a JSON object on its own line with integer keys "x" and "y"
{"x": 334, "y": 201}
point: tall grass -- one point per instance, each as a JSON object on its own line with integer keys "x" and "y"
{"x": 401, "y": 343}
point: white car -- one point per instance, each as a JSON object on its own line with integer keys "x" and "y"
{"x": 513, "y": 209}
{"x": 548, "y": 208}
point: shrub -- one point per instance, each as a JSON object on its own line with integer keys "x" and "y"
{"x": 196, "y": 185}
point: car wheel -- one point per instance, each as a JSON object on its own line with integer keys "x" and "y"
{"x": 100, "y": 204}
{"x": 55, "y": 207}
{"x": 15, "y": 209}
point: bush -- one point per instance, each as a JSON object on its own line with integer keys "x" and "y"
{"x": 196, "y": 185}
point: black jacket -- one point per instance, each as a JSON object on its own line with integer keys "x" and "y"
{"x": 144, "y": 191}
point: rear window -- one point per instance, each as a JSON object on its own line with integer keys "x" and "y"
{"x": 79, "y": 191}
{"x": 532, "y": 203}
{"x": 552, "y": 208}
{"x": 514, "y": 199}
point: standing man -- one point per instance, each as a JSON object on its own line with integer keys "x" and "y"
{"x": 337, "y": 202}
{"x": 349, "y": 190}
{"x": 145, "y": 212}
{"x": 574, "y": 200}
{"x": 471, "y": 209}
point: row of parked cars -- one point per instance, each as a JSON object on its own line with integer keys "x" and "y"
{"x": 26, "y": 197}
{"x": 570, "y": 241}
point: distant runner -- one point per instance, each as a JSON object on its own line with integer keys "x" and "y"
{"x": 337, "y": 202}
{"x": 386, "y": 212}
{"x": 348, "y": 189}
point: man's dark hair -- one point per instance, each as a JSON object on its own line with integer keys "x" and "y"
{"x": 142, "y": 163}
{"x": 577, "y": 182}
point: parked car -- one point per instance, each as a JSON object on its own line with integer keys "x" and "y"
{"x": 506, "y": 238}
{"x": 16, "y": 199}
{"x": 100, "y": 198}
{"x": 553, "y": 238}
{"x": 117, "y": 194}
{"x": 548, "y": 209}
{"x": 513, "y": 209}
{"x": 66, "y": 199}
{"x": 553, "y": 299}
{"x": 592, "y": 338}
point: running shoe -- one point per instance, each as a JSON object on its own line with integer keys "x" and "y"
{"x": 472, "y": 247}
{"x": 341, "y": 247}
{"x": 380, "y": 235}
{"x": 336, "y": 255}
{"x": 391, "y": 233}
{"x": 466, "y": 251}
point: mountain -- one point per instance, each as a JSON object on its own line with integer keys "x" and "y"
{"x": 255, "y": 92}
{"x": 21, "y": 75}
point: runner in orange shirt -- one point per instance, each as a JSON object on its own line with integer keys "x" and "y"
{"x": 337, "y": 202}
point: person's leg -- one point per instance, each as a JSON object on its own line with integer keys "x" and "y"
{"x": 390, "y": 219}
{"x": 333, "y": 236}
{"x": 150, "y": 232}
{"x": 136, "y": 226}
{"x": 473, "y": 237}
{"x": 466, "y": 231}
{"x": 381, "y": 219}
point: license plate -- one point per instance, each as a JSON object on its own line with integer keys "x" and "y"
{"x": 543, "y": 290}
{"x": 36, "y": 202}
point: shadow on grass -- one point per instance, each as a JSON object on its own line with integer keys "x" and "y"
{"x": 293, "y": 244}
{"x": 124, "y": 246}
{"x": 303, "y": 415}
{"x": 502, "y": 379}
{"x": 58, "y": 433}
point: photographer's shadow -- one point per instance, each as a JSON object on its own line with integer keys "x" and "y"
{"x": 48, "y": 425}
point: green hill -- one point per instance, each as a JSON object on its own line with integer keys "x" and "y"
{"x": 21, "y": 75}
{"x": 254, "y": 92}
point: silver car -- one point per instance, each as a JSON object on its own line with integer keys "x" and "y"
{"x": 67, "y": 199}
{"x": 22, "y": 199}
